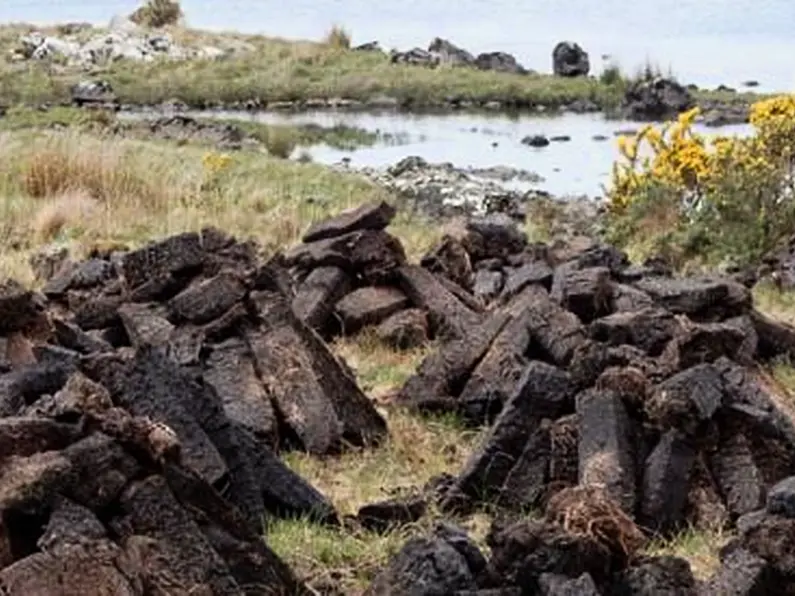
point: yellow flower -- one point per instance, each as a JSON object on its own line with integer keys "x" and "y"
{"x": 216, "y": 162}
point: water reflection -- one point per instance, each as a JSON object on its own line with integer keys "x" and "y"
{"x": 578, "y": 166}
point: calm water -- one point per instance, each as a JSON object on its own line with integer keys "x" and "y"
{"x": 704, "y": 41}
{"x": 576, "y": 167}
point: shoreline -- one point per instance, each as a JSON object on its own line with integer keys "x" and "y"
{"x": 716, "y": 112}
{"x": 271, "y": 74}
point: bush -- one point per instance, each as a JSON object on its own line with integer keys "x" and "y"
{"x": 677, "y": 192}
{"x": 612, "y": 75}
{"x": 158, "y": 13}
{"x": 280, "y": 142}
{"x": 338, "y": 38}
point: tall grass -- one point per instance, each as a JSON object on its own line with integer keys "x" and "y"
{"x": 85, "y": 189}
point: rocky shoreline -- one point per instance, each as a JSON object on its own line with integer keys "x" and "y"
{"x": 714, "y": 112}
{"x": 81, "y": 49}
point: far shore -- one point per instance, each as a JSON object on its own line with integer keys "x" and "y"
{"x": 289, "y": 75}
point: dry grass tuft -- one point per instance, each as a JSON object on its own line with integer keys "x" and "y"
{"x": 65, "y": 211}
{"x": 380, "y": 370}
{"x": 64, "y": 163}
{"x": 418, "y": 449}
{"x": 338, "y": 38}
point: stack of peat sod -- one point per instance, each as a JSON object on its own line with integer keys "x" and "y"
{"x": 350, "y": 274}
{"x": 625, "y": 402}
{"x": 144, "y": 396}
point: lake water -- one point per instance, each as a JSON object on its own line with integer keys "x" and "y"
{"x": 579, "y": 166}
{"x": 707, "y": 42}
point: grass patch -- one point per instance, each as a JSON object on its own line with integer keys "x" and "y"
{"x": 274, "y": 69}
{"x": 700, "y": 548}
{"x": 418, "y": 448}
{"x": 343, "y": 562}
{"x": 379, "y": 369}
{"x": 328, "y": 557}
{"x": 132, "y": 191}
{"x": 339, "y": 136}
{"x": 775, "y": 302}
{"x": 279, "y": 139}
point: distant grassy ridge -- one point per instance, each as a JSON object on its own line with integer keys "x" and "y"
{"x": 278, "y": 70}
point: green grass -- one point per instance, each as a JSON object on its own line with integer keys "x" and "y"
{"x": 699, "y": 547}
{"x": 339, "y": 136}
{"x": 347, "y": 561}
{"x": 418, "y": 448}
{"x": 281, "y": 70}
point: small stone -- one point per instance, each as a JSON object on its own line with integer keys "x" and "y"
{"x": 535, "y": 141}
{"x": 781, "y": 498}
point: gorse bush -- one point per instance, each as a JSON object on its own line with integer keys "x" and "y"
{"x": 158, "y": 13}
{"x": 677, "y": 192}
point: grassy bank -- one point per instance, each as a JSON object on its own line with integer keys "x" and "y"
{"x": 279, "y": 139}
{"x": 276, "y": 70}
{"x": 81, "y": 189}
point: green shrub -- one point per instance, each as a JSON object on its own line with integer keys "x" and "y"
{"x": 280, "y": 142}
{"x": 612, "y": 75}
{"x": 694, "y": 198}
{"x": 338, "y": 38}
{"x": 158, "y": 13}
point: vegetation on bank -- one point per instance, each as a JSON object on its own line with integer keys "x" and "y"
{"x": 694, "y": 199}
{"x": 77, "y": 188}
{"x": 276, "y": 70}
{"x": 280, "y": 140}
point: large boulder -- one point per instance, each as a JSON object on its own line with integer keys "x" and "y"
{"x": 500, "y": 62}
{"x": 657, "y": 98}
{"x": 570, "y": 60}
{"x": 449, "y": 53}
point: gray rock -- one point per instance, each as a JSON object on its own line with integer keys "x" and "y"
{"x": 535, "y": 141}
{"x": 449, "y": 53}
{"x": 500, "y": 62}
{"x": 570, "y": 60}
{"x": 781, "y": 498}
